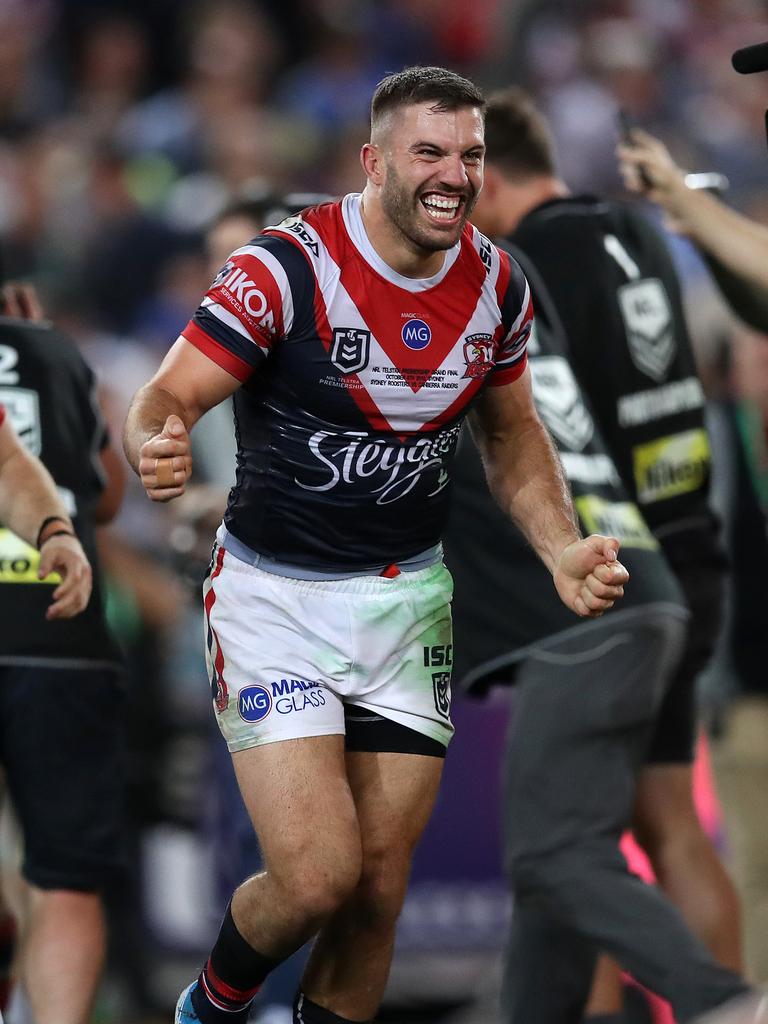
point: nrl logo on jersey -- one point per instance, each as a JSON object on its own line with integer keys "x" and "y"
{"x": 478, "y": 354}
{"x": 647, "y": 318}
{"x": 351, "y": 349}
{"x": 559, "y": 402}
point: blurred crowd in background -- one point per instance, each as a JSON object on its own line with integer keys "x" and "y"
{"x": 125, "y": 129}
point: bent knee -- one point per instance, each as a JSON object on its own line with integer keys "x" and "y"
{"x": 316, "y": 886}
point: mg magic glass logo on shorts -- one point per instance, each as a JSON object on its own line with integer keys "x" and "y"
{"x": 254, "y": 703}
{"x": 294, "y": 696}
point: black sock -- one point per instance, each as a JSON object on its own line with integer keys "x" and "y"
{"x": 231, "y": 978}
{"x": 307, "y": 1012}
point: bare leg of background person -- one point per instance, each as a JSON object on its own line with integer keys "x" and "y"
{"x": 606, "y": 998}
{"x": 688, "y": 869}
{"x": 685, "y": 862}
{"x": 740, "y": 759}
{"x": 349, "y": 965}
{"x": 63, "y": 954}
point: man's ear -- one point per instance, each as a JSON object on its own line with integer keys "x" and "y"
{"x": 371, "y": 160}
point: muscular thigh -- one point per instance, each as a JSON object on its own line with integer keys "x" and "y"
{"x": 394, "y": 795}
{"x": 298, "y": 797}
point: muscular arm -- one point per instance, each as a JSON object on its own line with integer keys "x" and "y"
{"x": 28, "y": 496}
{"x": 164, "y": 411}
{"x": 522, "y": 468}
{"x": 526, "y": 479}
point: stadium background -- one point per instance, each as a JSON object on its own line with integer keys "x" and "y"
{"x": 124, "y": 129}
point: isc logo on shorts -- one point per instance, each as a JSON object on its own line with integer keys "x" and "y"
{"x": 254, "y": 703}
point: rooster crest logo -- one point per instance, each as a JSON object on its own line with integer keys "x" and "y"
{"x": 478, "y": 354}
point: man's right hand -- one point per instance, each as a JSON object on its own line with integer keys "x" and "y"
{"x": 165, "y": 462}
{"x": 646, "y": 166}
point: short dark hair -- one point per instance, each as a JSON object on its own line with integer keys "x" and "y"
{"x": 443, "y": 88}
{"x": 517, "y": 136}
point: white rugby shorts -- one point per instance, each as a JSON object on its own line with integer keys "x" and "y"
{"x": 285, "y": 655}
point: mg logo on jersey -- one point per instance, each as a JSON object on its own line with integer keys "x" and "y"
{"x": 559, "y": 402}
{"x": 351, "y": 349}
{"x": 254, "y": 703}
{"x": 441, "y": 687}
{"x": 647, "y": 318}
{"x": 478, "y": 354}
{"x": 416, "y": 335}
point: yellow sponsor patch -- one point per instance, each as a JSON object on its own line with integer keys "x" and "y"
{"x": 620, "y": 519}
{"x": 671, "y": 466}
{"x": 19, "y": 561}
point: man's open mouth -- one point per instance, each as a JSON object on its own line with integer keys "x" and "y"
{"x": 444, "y": 209}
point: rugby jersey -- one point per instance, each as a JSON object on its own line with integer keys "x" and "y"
{"x": 48, "y": 393}
{"x": 355, "y": 382}
{"x": 614, "y": 284}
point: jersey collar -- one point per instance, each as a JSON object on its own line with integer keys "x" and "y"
{"x": 353, "y": 222}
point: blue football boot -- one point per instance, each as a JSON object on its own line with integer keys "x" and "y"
{"x": 185, "y": 1013}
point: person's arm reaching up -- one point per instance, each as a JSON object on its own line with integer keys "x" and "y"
{"x": 739, "y": 244}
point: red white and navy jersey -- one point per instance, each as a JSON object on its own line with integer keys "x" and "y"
{"x": 355, "y": 382}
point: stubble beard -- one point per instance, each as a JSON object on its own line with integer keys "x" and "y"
{"x": 403, "y": 209}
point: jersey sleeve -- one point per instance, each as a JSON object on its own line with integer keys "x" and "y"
{"x": 516, "y": 307}
{"x": 248, "y": 308}
{"x": 2, "y": 415}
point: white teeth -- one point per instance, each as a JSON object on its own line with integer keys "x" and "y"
{"x": 441, "y": 203}
{"x": 441, "y": 208}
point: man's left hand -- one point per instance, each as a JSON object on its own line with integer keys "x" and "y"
{"x": 588, "y": 576}
{"x": 63, "y": 554}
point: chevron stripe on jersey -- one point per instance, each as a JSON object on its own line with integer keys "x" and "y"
{"x": 475, "y": 311}
{"x": 365, "y": 377}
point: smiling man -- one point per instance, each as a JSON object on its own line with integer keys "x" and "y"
{"x": 354, "y": 338}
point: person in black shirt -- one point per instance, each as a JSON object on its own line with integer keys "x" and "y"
{"x": 614, "y": 288}
{"x": 60, "y": 691}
